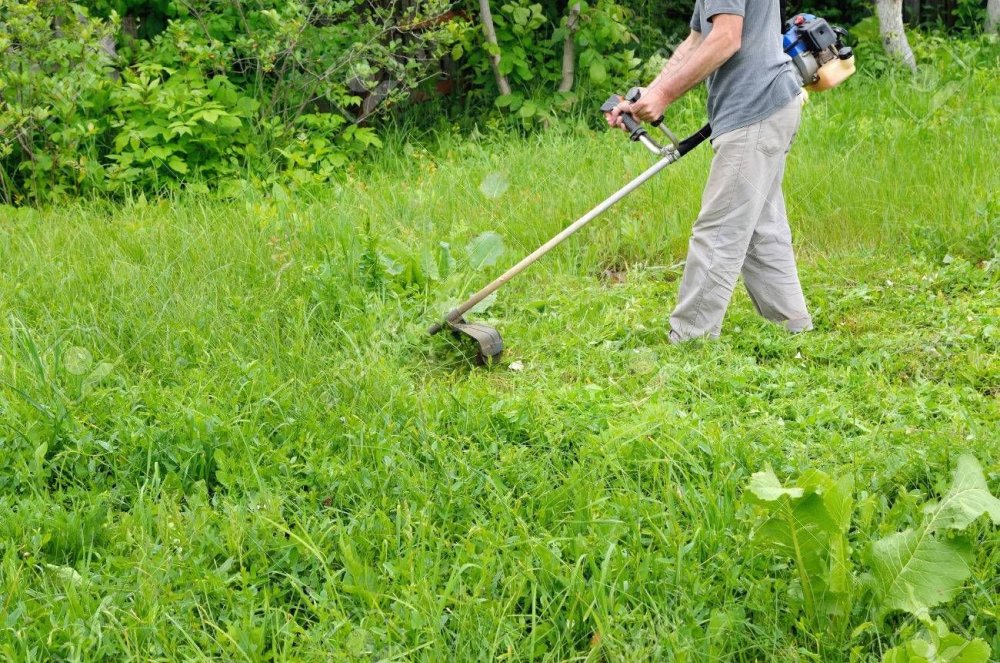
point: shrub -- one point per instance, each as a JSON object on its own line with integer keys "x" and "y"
{"x": 530, "y": 39}
{"x": 54, "y": 96}
{"x": 260, "y": 89}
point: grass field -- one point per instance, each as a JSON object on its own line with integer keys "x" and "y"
{"x": 226, "y": 436}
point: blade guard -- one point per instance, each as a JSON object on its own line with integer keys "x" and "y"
{"x": 488, "y": 339}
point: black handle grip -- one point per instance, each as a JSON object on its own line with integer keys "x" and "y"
{"x": 694, "y": 140}
{"x": 631, "y": 96}
{"x": 636, "y": 130}
{"x": 611, "y": 103}
{"x": 634, "y": 127}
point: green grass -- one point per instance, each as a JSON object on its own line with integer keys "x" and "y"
{"x": 225, "y": 435}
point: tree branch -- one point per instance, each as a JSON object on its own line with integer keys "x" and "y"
{"x": 491, "y": 40}
{"x": 569, "y": 50}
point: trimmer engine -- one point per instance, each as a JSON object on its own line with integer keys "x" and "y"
{"x": 818, "y": 51}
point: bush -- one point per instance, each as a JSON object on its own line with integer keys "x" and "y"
{"x": 261, "y": 90}
{"x": 211, "y": 91}
{"x": 150, "y": 95}
{"x": 530, "y": 37}
{"x": 178, "y": 126}
{"x": 54, "y": 96}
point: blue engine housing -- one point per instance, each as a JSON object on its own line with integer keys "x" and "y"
{"x": 811, "y": 42}
{"x": 791, "y": 41}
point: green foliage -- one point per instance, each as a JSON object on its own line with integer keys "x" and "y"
{"x": 968, "y": 16}
{"x": 913, "y": 570}
{"x": 916, "y": 570}
{"x": 225, "y": 427}
{"x": 939, "y": 645}
{"x": 263, "y": 91}
{"x": 607, "y": 55}
{"x": 529, "y": 42}
{"x": 54, "y": 99}
{"x": 215, "y": 92}
{"x": 178, "y": 125}
{"x": 809, "y": 523}
{"x": 484, "y": 250}
{"x": 318, "y": 146}
{"x": 391, "y": 263}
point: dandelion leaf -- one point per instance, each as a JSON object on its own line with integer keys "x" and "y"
{"x": 484, "y": 250}
{"x": 914, "y": 571}
{"x": 968, "y": 498}
{"x": 809, "y": 524}
{"x": 766, "y": 487}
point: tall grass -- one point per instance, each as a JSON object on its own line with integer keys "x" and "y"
{"x": 225, "y": 435}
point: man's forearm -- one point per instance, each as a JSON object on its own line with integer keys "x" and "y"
{"x": 678, "y": 58}
{"x": 693, "y": 61}
{"x": 706, "y": 57}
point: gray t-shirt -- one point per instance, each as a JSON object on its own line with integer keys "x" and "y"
{"x": 758, "y": 79}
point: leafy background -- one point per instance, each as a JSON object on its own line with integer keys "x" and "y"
{"x": 116, "y": 97}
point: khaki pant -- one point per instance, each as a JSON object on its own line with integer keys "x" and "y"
{"x": 743, "y": 228}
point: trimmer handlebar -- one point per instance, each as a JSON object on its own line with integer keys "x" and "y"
{"x": 633, "y": 125}
{"x": 638, "y": 133}
{"x": 694, "y": 140}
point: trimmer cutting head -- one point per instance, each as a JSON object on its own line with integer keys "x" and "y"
{"x": 488, "y": 340}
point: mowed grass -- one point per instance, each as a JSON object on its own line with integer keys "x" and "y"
{"x": 226, "y": 436}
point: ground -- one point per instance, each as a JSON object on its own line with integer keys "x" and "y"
{"x": 226, "y": 434}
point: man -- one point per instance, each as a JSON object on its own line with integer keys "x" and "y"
{"x": 754, "y": 106}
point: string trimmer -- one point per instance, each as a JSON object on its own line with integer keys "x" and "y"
{"x": 488, "y": 339}
{"x": 822, "y": 61}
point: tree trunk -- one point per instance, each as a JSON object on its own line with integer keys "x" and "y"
{"x": 992, "y": 15}
{"x": 890, "y": 21}
{"x": 486, "y": 16}
{"x": 569, "y": 50}
{"x": 130, "y": 26}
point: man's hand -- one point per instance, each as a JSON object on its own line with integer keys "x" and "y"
{"x": 649, "y": 107}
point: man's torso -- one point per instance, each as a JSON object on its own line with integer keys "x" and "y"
{"x": 758, "y": 79}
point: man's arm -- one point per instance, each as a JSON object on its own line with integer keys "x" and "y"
{"x": 700, "y": 58}
{"x": 721, "y": 44}
{"x": 679, "y": 57}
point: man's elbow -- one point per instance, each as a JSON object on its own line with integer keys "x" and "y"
{"x": 731, "y": 42}
{"x": 728, "y": 32}
{"x": 736, "y": 43}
